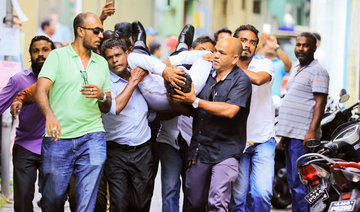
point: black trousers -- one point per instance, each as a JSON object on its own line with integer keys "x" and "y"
{"x": 26, "y": 164}
{"x": 129, "y": 172}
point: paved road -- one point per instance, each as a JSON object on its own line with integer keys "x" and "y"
{"x": 155, "y": 203}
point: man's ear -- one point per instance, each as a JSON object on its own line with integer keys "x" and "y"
{"x": 235, "y": 59}
{"x": 81, "y": 32}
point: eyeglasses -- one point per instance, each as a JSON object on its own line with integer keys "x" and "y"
{"x": 95, "y": 30}
{"x": 213, "y": 93}
{"x": 84, "y": 76}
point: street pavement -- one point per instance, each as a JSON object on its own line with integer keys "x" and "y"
{"x": 155, "y": 203}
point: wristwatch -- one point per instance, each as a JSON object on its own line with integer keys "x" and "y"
{"x": 195, "y": 104}
{"x": 277, "y": 47}
{"x": 104, "y": 99}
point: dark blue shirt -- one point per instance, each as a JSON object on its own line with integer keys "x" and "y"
{"x": 219, "y": 138}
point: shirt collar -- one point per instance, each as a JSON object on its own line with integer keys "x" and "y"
{"x": 227, "y": 76}
{"x": 28, "y": 71}
{"x": 115, "y": 78}
{"x": 73, "y": 53}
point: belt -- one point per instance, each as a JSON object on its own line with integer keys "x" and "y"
{"x": 129, "y": 148}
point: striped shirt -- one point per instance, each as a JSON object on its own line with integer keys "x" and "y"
{"x": 296, "y": 111}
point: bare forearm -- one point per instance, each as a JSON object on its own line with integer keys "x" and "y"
{"x": 222, "y": 109}
{"x": 42, "y": 100}
{"x": 123, "y": 98}
{"x": 106, "y": 105}
{"x": 286, "y": 60}
{"x": 258, "y": 78}
{"x": 317, "y": 115}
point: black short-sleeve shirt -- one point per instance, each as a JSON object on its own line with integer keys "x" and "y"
{"x": 218, "y": 138}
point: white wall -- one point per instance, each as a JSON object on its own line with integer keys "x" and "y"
{"x": 328, "y": 18}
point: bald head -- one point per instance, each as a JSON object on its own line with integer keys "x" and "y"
{"x": 79, "y": 20}
{"x": 227, "y": 52}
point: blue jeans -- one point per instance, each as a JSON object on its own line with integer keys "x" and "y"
{"x": 85, "y": 156}
{"x": 252, "y": 191}
{"x": 298, "y": 191}
{"x": 173, "y": 165}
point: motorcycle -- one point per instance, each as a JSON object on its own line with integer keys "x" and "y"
{"x": 332, "y": 182}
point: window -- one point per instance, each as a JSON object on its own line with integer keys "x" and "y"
{"x": 257, "y": 7}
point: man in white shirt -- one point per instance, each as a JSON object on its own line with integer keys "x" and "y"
{"x": 256, "y": 169}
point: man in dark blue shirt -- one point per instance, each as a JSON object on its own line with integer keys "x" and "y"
{"x": 219, "y": 130}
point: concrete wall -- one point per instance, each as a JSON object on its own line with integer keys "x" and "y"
{"x": 328, "y": 18}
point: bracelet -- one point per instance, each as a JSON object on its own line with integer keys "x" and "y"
{"x": 104, "y": 99}
{"x": 277, "y": 47}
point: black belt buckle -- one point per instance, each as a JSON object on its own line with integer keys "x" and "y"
{"x": 132, "y": 148}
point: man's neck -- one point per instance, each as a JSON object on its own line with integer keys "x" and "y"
{"x": 125, "y": 74}
{"x": 80, "y": 50}
{"x": 222, "y": 73}
{"x": 244, "y": 64}
{"x": 305, "y": 64}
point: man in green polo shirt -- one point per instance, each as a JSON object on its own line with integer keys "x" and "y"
{"x": 73, "y": 89}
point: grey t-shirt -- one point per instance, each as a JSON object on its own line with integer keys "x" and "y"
{"x": 296, "y": 111}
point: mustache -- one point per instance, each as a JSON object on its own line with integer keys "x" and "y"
{"x": 248, "y": 50}
{"x": 38, "y": 59}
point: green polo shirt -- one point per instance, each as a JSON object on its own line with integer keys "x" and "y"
{"x": 76, "y": 114}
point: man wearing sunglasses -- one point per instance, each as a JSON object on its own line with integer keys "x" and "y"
{"x": 72, "y": 90}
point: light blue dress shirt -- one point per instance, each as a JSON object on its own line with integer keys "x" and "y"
{"x": 130, "y": 127}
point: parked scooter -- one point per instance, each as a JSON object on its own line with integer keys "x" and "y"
{"x": 332, "y": 182}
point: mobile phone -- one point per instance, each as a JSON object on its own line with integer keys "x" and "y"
{"x": 113, "y": 3}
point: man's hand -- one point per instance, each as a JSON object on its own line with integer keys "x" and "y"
{"x": 15, "y": 108}
{"x": 271, "y": 42}
{"x": 92, "y": 91}
{"x": 209, "y": 57}
{"x": 188, "y": 98}
{"x": 309, "y": 135}
{"x": 53, "y": 128}
{"x": 107, "y": 10}
{"x": 284, "y": 142}
{"x": 174, "y": 75}
{"x": 137, "y": 74}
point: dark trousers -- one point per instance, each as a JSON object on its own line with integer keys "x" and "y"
{"x": 129, "y": 172}
{"x": 26, "y": 164}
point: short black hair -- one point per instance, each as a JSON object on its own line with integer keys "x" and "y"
{"x": 317, "y": 36}
{"x": 224, "y": 29}
{"x": 153, "y": 46}
{"x": 309, "y": 35}
{"x": 41, "y": 37}
{"x": 79, "y": 20}
{"x": 45, "y": 23}
{"x": 245, "y": 28}
{"x": 123, "y": 29}
{"x": 202, "y": 39}
{"x": 108, "y": 34}
{"x": 115, "y": 42}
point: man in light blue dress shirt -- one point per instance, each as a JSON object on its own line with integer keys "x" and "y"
{"x": 129, "y": 164}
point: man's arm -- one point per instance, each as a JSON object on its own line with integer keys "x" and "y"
{"x": 320, "y": 103}
{"x": 53, "y": 127}
{"x": 92, "y": 91}
{"x": 222, "y": 109}
{"x": 107, "y": 10}
{"x": 258, "y": 78}
{"x": 283, "y": 57}
{"x": 25, "y": 97}
{"x": 137, "y": 75}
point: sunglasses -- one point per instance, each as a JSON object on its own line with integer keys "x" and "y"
{"x": 84, "y": 76}
{"x": 95, "y": 30}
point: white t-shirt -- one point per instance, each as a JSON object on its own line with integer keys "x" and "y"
{"x": 260, "y": 124}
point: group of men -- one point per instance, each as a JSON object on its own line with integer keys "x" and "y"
{"x": 95, "y": 120}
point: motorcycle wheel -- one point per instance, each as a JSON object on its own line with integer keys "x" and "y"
{"x": 281, "y": 193}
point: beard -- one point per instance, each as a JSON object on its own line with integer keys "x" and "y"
{"x": 36, "y": 65}
{"x": 243, "y": 57}
{"x": 88, "y": 46}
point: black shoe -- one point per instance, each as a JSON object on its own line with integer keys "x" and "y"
{"x": 186, "y": 37}
{"x": 139, "y": 36}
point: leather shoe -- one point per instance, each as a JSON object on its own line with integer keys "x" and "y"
{"x": 186, "y": 37}
{"x": 139, "y": 36}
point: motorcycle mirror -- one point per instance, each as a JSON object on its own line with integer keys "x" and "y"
{"x": 342, "y": 92}
{"x": 344, "y": 98}
{"x": 312, "y": 145}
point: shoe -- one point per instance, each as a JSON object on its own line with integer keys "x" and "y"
{"x": 186, "y": 37}
{"x": 139, "y": 36}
